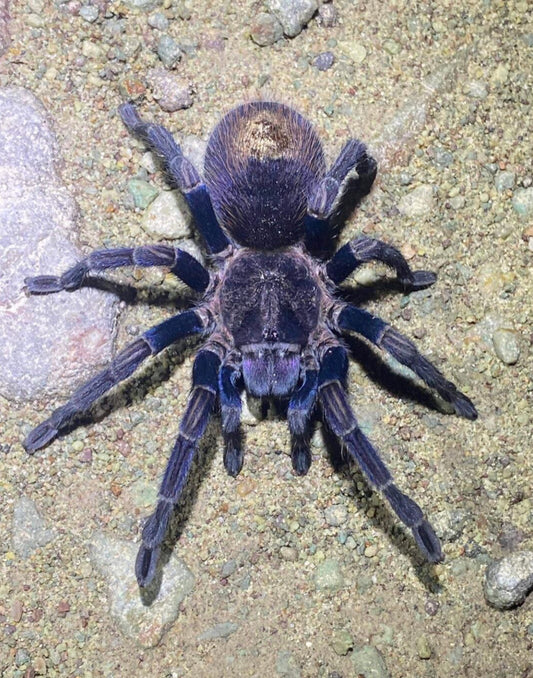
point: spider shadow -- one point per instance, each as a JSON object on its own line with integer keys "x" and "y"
{"x": 141, "y": 294}
{"x": 381, "y": 518}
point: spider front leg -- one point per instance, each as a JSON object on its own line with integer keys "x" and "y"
{"x": 181, "y": 173}
{"x": 230, "y": 406}
{"x": 181, "y": 263}
{"x": 121, "y": 367}
{"x": 192, "y": 427}
{"x": 382, "y": 335}
{"x": 342, "y": 422}
{"x": 362, "y": 250}
{"x": 353, "y": 162}
{"x": 301, "y": 406}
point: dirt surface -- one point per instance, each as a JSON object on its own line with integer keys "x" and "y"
{"x": 450, "y": 88}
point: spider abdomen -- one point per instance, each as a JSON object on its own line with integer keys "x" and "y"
{"x": 263, "y": 160}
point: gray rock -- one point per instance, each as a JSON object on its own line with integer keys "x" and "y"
{"x": 222, "y": 630}
{"x": 168, "y": 51}
{"x": 266, "y": 29}
{"x": 293, "y": 15}
{"x": 146, "y": 624}
{"x": 506, "y": 346}
{"x": 89, "y": 13}
{"x": 368, "y": 662}
{"x": 523, "y": 202}
{"x": 170, "y": 91}
{"x": 168, "y": 217}
{"x": 142, "y": 5}
{"x": 29, "y": 529}
{"x": 509, "y": 580}
{"x": 50, "y": 343}
{"x": 328, "y": 576}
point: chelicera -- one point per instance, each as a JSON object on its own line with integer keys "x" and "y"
{"x": 268, "y": 311}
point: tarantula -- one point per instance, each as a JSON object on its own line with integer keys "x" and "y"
{"x": 268, "y": 310}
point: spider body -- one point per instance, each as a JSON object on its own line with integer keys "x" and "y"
{"x": 272, "y": 322}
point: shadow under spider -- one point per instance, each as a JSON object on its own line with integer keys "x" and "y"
{"x": 381, "y": 519}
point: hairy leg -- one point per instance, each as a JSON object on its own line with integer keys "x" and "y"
{"x": 121, "y": 367}
{"x": 192, "y": 427}
{"x": 342, "y": 422}
{"x": 382, "y": 335}
{"x": 181, "y": 263}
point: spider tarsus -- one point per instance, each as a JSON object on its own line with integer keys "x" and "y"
{"x": 146, "y": 564}
{"x": 420, "y": 280}
{"x": 428, "y": 542}
{"x": 464, "y": 407}
{"x": 233, "y": 456}
{"x": 301, "y": 458}
{"x": 40, "y": 436}
{"x": 43, "y": 284}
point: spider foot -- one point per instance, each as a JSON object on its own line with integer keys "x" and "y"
{"x": 301, "y": 456}
{"x": 146, "y": 564}
{"x": 43, "y": 284}
{"x": 40, "y": 436}
{"x": 233, "y": 455}
{"x": 428, "y": 542}
{"x": 419, "y": 280}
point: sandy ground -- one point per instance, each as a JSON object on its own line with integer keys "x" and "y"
{"x": 256, "y": 544}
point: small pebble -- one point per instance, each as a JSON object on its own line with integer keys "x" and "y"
{"x": 168, "y": 51}
{"x": 506, "y": 346}
{"x": 327, "y": 15}
{"x": 418, "y": 202}
{"x": 477, "y": 89}
{"x": 324, "y": 61}
{"x": 293, "y": 15}
{"x": 336, "y": 515}
{"x": 368, "y": 662}
{"x": 266, "y": 29}
{"x": 423, "y": 648}
{"x": 328, "y": 576}
{"x": 167, "y": 217}
{"x": 504, "y": 180}
{"x": 142, "y": 192}
{"x": 158, "y": 20}
{"x": 341, "y": 642}
{"x": 89, "y": 13}
{"x": 509, "y": 580}
{"x": 523, "y": 202}
{"x": 222, "y": 630}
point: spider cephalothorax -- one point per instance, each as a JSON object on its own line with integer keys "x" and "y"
{"x": 268, "y": 310}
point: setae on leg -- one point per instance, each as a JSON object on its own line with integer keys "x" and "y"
{"x": 342, "y": 422}
{"x": 192, "y": 427}
{"x": 121, "y": 367}
{"x": 181, "y": 263}
{"x": 382, "y": 335}
{"x": 362, "y": 250}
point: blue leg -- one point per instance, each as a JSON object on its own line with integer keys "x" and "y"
{"x": 121, "y": 367}
{"x": 341, "y": 420}
{"x": 405, "y": 352}
{"x": 230, "y": 407}
{"x": 181, "y": 263}
{"x": 301, "y": 406}
{"x": 181, "y": 173}
{"x": 192, "y": 427}
{"x": 353, "y": 163}
{"x": 362, "y": 249}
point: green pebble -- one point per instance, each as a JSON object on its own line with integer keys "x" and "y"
{"x": 423, "y": 648}
{"x": 341, "y": 642}
{"x": 142, "y": 193}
